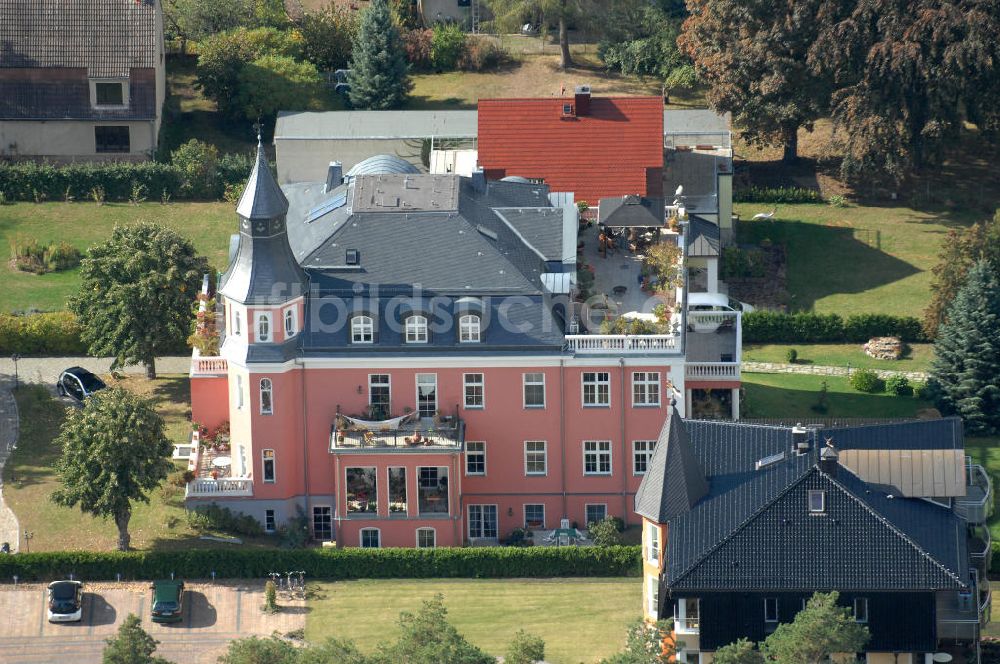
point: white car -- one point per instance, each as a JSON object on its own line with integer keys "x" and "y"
{"x": 65, "y": 601}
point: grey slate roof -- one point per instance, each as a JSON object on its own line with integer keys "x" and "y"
{"x": 382, "y": 163}
{"x": 262, "y": 197}
{"x": 673, "y": 458}
{"x": 632, "y": 210}
{"x": 541, "y": 228}
{"x": 703, "y": 238}
{"x": 108, "y": 37}
{"x": 68, "y": 98}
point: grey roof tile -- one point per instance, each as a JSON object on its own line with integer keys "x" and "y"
{"x": 674, "y": 480}
{"x": 703, "y": 237}
{"x": 632, "y": 210}
{"x": 541, "y": 229}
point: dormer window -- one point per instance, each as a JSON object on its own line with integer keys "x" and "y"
{"x": 362, "y": 330}
{"x": 817, "y": 502}
{"x": 109, "y": 93}
{"x": 469, "y": 329}
{"x": 416, "y": 329}
{"x": 263, "y": 327}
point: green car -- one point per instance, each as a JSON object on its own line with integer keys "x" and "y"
{"x": 168, "y": 601}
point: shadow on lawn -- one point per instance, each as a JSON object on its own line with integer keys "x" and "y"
{"x": 828, "y": 260}
{"x": 770, "y": 401}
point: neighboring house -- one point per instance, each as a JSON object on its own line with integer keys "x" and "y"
{"x": 404, "y": 358}
{"x": 596, "y": 147}
{"x": 467, "y": 13}
{"x": 81, "y": 80}
{"x": 743, "y": 523}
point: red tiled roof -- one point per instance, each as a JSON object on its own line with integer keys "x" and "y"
{"x": 614, "y": 150}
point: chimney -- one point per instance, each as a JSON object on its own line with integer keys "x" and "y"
{"x": 334, "y": 176}
{"x": 479, "y": 180}
{"x": 829, "y": 459}
{"x": 800, "y": 439}
{"x": 581, "y": 99}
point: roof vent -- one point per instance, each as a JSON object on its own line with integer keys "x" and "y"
{"x": 353, "y": 257}
{"x": 487, "y": 232}
{"x": 829, "y": 459}
{"x": 800, "y": 439}
{"x": 768, "y": 461}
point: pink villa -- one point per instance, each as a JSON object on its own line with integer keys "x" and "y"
{"x": 419, "y": 360}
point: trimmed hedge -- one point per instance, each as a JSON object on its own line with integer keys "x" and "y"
{"x": 765, "y": 327}
{"x": 348, "y": 563}
{"x": 56, "y": 333}
{"x": 776, "y": 195}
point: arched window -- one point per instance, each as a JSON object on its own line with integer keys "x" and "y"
{"x": 263, "y": 327}
{"x": 362, "y": 330}
{"x": 291, "y": 325}
{"x": 416, "y": 329}
{"x": 469, "y": 329}
{"x": 236, "y": 322}
{"x": 266, "y": 403}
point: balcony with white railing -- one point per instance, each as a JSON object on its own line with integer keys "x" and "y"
{"x": 977, "y": 504}
{"x": 213, "y": 472}
{"x": 203, "y": 367}
{"x": 228, "y": 487}
{"x": 712, "y": 371}
{"x": 210, "y": 325}
{"x": 614, "y": 344}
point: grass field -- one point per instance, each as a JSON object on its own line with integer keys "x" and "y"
{"x": 855, "y": 259}
{"x": 579, "y": 619}
{"x": 793, "y": 395}
{"x": 208, "y": 225}
{"x": 29, "y": 479}
{"x": 840, "y": 355}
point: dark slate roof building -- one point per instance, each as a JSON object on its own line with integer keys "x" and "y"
{"x": 96, "y": 61}
{"x": 760, "y": 517}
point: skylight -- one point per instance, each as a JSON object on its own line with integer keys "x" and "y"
{"x": 769, "y": 460}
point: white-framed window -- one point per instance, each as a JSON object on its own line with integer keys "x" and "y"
{"x": 362, "y": 329}
{"x": 426, "y": 394}
{"x": 371, "y": 538}
{"x": 379, "y": 395}
{"x": 323, "y": 522}
{"x": 534, "y": 515}
{"x": 652, "y": 596}
{"x": 475, "y": 458}
{"x": 770, "y": 609}
{"x": 269, "y": 522}
{"x": 653, "y": 543}
{"x": 432, "y": 490}
{"x": 534, "y": 390}
{"x": 596, "y": 388}
{"x": 597, "y": 457}
{"x": 239, "y": 391}
{"x": 817, "y": 502}
{"x": 110, "y": 93}
{"x": 861, "y": 609}
{"x": 416, "y": 329}
{"x": 263, "y": 326}
{"x": 469, "y": 329}
{"x": 686, "y": 612}
{"x": 268, "y": 467}
{"x": 535, "y": 457}
{"x": 291, "y": 322}
{"x": 482, "y": 521}
{"x": 595, "y": 512}
{"x": 475, "y": 390}
{"x": 642, "y": 452}
{"x": 426, "y": 538}
{"x": 645, "y": 388}
{"x": 237, "y": 322}
{"x": 266, "y": 397}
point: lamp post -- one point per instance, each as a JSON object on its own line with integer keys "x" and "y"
{"x": 14, "y": 358}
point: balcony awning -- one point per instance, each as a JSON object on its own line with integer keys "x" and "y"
{"x": 380, "y": 424}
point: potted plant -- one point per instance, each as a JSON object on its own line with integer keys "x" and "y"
{"x": 214, "y": 474}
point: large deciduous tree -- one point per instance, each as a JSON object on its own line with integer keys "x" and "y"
{"x": 965, "y": 372}
{"x": 327, "y": 35}
{"x": 196, "y": 19}
{"x": 131, "y": 645}
{"x": 379, "y": 75}
{"x": 820, "y": 630}
{"x": 753, "y": 56}
{"x": 134, "y": 301}
{"x": 114, "y": 452}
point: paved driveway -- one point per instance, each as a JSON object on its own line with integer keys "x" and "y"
{"x": 214, "y": 614}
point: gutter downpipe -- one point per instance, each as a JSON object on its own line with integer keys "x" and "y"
{"x": 305, "y": 436}
{"x": 562, "y": 433}
{"x": 625, "y": 459}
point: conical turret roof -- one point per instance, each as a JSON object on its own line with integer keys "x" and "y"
{"x": 674, "y": 480}
{"x": 262, "y": 198}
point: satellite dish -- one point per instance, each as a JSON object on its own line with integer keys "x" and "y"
{"x": 680, "y": 190}
{"x": 941, "y": 657}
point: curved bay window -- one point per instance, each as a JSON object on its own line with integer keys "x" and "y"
{"x": 362, "y": 491}
{"x": 432, "y": 489}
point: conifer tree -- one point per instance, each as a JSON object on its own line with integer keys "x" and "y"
{"x": 379, "y": 74}
{"x": 965, "y": 373}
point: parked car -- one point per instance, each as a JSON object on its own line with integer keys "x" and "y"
{"x": 707, "y": 303}
{"x": 78, "y": 383}
{"x": 168, "y": 601}
{"x": 65, "y": 601}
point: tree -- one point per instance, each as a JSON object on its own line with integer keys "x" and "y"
{"x": 525, "y": 648}
{"x": 740, "y": 652}
{"x": 904, "y": 73}
{"x": 327, "y": 35}
{"x": 642, "y": 41}
{"x": 257, "y": 650}
{"x": 134, "y": 301}
{"x": 276, "y": 82}
{"x": 819, "y": 631}
{"x": 114, "y": 452}
{"x": 198, "y": 163}
{"x": 647, "y": 644}
{"x": 131, "y": 645}
{"x": 965, "y": 372}
{"x": 428, "y": 638}
{"x": 753, "y": 56}
{"x": 961, "y": 250}
{"x": 196, "y": 20}
{"x": 379, "y": 76}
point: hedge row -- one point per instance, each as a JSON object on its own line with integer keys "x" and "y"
{"x": 348, "y": 563}
{"x": 776, "y": 195}
{"x": 773, "y": 327}
{"x": 30, "y": 181}
{"x": 55, "y": 333}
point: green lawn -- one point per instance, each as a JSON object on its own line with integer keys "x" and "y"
{"x": 792, "y": 395}
{"x": 579, "y": 619}
{"x": 840, "y": 355}
{"x": 29, "y": 479}
{"x": 855, "y": 259}
{"x": 208, "y": 225}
